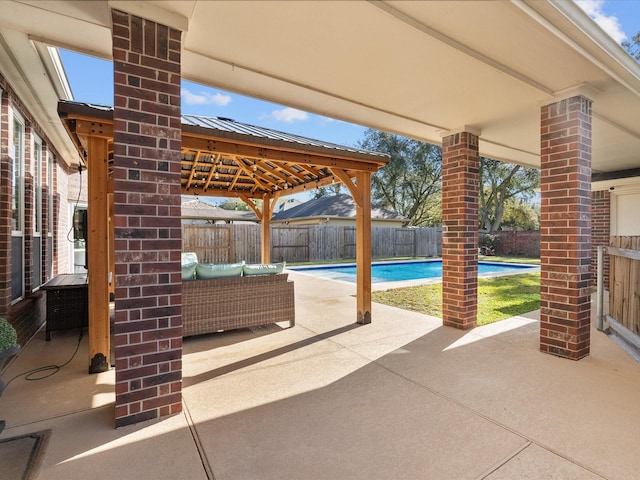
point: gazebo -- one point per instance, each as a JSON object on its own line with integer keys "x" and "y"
{"x": 222, "y": 158}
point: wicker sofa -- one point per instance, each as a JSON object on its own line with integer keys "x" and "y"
{"x": 214, "y": 304}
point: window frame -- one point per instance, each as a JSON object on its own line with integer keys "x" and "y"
{"x": 18, "y": 197}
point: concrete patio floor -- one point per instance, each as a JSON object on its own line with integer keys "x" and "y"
{"x": 402, "y": 398}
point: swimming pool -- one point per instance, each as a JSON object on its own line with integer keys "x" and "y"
{"x": 408, "y": 270}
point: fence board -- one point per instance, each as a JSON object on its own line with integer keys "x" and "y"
{"x": 230, "y": 243}
{"x": 624, "y": 285}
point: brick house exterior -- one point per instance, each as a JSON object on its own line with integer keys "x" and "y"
{"x": 41, "y": 240}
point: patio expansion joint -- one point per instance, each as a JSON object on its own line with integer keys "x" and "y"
{"x": 206, "y": 465}
{"x": 505, "y": 460}
{"x": 527, "y": 440}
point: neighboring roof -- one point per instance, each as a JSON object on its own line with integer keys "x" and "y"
{"x": 225, "y": 158}
{"x": 197, "y": 209}
{"x": 288, "y": 204}
{"x": 334, "y": 206}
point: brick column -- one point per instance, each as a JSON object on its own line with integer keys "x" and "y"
{"x": 600, "y": 232}
{"x": 565, "y": 227}
{"x": 148, "y": 237}
{"x": 460, "y": 177}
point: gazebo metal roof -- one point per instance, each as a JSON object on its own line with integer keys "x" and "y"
{"x": 223, "y": 157}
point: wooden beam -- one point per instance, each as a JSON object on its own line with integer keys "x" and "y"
{"x": 251, "y": 205}
{"x": 363, "y": 248}
{"x": 345, "y": 178}
{"x": 274, "y": 200}
{"x": 307, "y": 187}
{"x": 274, "y": 155}
{"x": 234, "y": 145}
{"x": 98, "y": 258}
{"x": 94, "y": 129}
{"x": 266, "y": 228}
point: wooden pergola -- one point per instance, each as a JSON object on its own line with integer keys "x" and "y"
{"x": 220, "y": 158}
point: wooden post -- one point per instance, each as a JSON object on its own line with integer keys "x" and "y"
{"x": 363, "y": 247}
{"x": 266, "y": 229}
{"x": 98, "y": 255}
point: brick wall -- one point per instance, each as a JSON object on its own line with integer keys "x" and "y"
{"x": 519, "y": 243}
{"x": 27, "y": 315}
{"x": 600, "y": 232}
{"x": 77, "y": 187}
{"x": 565, "y": 243}
{"x": 460, "y": 176}
{"x": 60, "y": 220}
{"x": 5, "y": 204}
{"x": 147, "y": 153}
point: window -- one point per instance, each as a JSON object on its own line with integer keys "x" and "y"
{"x": 36, "y": 247}
{"x": 17, "y": 210}
{"x": 50, "y": 223}
{"x": 39, "y": 182}
{"x": 17, "y": 197}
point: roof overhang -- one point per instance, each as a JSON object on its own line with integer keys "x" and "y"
{"x": 36, "y": 74}
{"x": 420, "y": 69}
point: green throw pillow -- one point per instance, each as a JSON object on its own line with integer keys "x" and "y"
{"x": 219, "y": 270}
{"x": 263, "y": 269}
{"x": 189, "y": 271}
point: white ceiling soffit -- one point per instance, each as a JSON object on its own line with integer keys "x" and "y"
{"x": 415, "y": 68}
{"x": 39, "y": 86}
{"x": 424, "y": 68}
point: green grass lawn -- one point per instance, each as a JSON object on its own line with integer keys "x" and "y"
{"x": 498, "y": 297}
{"x": 499, "y": 258}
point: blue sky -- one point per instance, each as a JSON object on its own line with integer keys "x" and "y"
{"x": 91, "y": 82}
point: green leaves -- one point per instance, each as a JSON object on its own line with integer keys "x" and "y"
{"x": 633, "y": 47}
{"x": 502, "y": 185}
{"x": 410, "y": 183}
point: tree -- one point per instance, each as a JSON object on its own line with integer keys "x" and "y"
{"x": 234, "y": 204}
{"x": 500, "y": 182}
{"x": 520, "y": 214}
{"x": 329, "y": 191}
{"x": 410, "y": 183}
{"x": 633, "y": 47}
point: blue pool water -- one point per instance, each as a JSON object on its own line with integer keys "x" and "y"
{"x": 415, "y": 270}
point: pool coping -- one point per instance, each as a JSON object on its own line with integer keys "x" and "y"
{"x": 406, "y": 283}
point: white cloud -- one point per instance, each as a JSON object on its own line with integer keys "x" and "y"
{"x": 204, "y": 98}
{"x": 609, "y": 23}
{"x": 289, "y": 115}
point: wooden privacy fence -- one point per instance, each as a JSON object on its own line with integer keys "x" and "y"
{"x": 624, "y": 288}
{"x": 308, "y": 243}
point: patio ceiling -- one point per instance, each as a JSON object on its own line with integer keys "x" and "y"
{"x": 221, "y": 157}
{"x": 420, "y": 69}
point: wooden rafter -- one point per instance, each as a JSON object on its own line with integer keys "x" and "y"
{"x": 224, "y": 166}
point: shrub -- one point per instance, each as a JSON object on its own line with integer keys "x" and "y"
{"x": 8, "y": 335}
